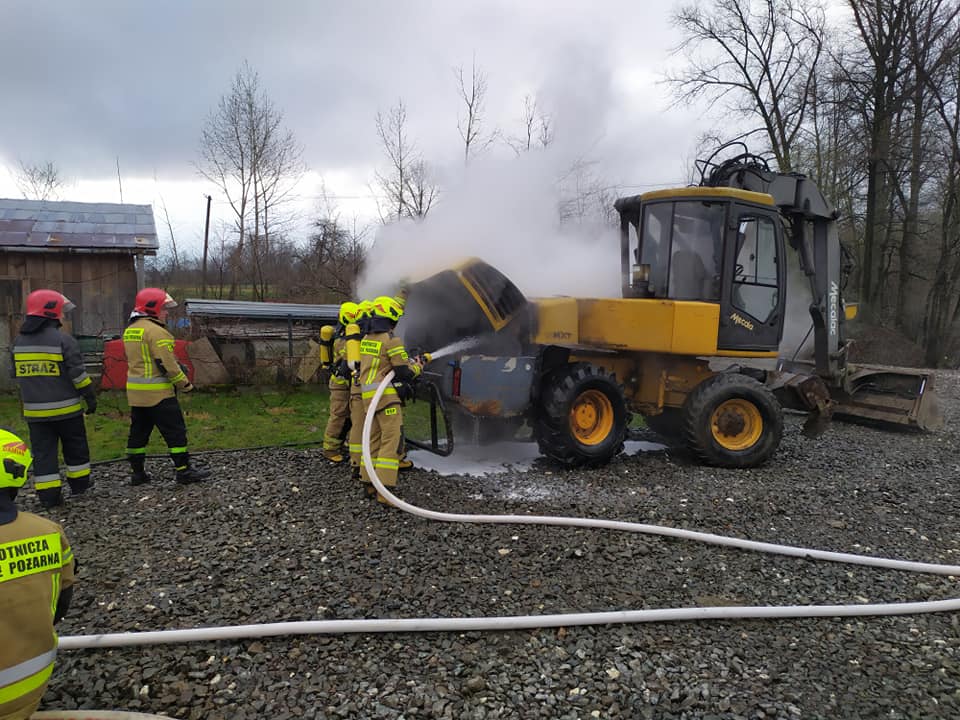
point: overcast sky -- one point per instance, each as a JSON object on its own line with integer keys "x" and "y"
{"x": 87, "y": 83}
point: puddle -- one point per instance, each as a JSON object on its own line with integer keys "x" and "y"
{"x": 498, "y": 458}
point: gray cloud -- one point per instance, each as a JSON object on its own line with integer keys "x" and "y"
{"x": 86, "y": 83}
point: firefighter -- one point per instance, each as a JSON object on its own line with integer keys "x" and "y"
{"x": 404, "y": 463}
{"x": 380, "y": 352}
{"x": 49, "y": 369}
{"x": 339, "y": 386}
{"x": 364, "y": 308}
{"x": 36, "y": 585}
{"x": 152, "y": 374}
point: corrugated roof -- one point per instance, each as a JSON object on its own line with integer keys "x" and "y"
{"x": 260, "y": 310}
{"x": 55, "y": 224}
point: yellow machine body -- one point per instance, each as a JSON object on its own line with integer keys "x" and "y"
{"x": 658, "y": 348}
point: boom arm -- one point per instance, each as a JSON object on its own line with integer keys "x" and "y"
{"x": 813, "y": 235}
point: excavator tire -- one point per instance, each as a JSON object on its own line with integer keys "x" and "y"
{"x": 668, "y": 424}
{"x": 582, "y": 418}
{"x": 731, "y": 420}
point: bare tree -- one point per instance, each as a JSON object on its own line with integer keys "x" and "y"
{"x": 334, "y": 256}
{"x": 38, "y": 182}
{"x": 173, "y": 238}
{"x": 400, "y": 151}
{"x": 256, "y": 163}
{"x": 536, "y": 127}
{"x": 759, "y": 63}
{"x": 585, "y": 198}
{"x": 472, "y": 90}
{"x": 407, "y": 187}
{"x": 422, "y": 192}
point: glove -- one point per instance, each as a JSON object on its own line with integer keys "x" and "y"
{"x": 91, "y": 405}
{"x": 188, "y": 387}
{"x": 405, "y": 391}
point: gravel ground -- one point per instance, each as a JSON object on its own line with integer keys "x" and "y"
{"x": 281, "y": 535}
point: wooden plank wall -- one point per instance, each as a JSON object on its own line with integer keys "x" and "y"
{"x": 101, "y": 286}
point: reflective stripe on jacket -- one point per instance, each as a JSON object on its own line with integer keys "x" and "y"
{"x": 152, "y": 367}
{"x": 49, "y": 369}
{"x": 379, "y": 354}
{"x": 36, "y": 564}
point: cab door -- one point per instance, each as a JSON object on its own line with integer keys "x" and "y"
{"x": 752, "y": 300}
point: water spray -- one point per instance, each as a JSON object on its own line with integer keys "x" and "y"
{"x": 453, "y": 348}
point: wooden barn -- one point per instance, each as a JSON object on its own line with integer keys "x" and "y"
{"x": 91, "y": 252}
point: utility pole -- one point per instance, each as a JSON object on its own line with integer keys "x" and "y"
{"x": 206, "y": 240}
{"x": 119, "y": 181}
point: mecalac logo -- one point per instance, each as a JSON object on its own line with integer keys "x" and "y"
{"x": 834, "y": 300}
{"x": 742, "y": 321}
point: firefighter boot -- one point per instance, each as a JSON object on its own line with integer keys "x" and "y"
{"x": 191, "y": 474}
{"x": 138, "y": 476}
{"x": 50, "y": 497}
{"x": 78, "y": 486}
{"x": 334, "y": 456}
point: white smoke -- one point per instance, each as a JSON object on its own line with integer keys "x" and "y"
{"x": 507, "y": 213}
{"x": 505, "y": 209}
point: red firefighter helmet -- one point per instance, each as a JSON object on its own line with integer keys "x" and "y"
{"x": 48, "y": 304}
{"x": 150, "y": 301}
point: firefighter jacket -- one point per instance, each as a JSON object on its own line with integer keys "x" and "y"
{"x": 49, "y": 368}
{"x": 152, "y": 368}
{"x": 36, "y": 566}
{"x": 381, "y": 352}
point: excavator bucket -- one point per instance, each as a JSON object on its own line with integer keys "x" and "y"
{"x": 889, "y": 396}
{"x": 892, "y": 397}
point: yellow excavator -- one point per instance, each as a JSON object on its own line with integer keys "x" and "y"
{"x": 692, "y": 345}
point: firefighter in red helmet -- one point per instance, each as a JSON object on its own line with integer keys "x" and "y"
{"x": 152, "y": 374}
{"x": 49, "y": 369}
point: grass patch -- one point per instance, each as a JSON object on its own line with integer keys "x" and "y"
{"x": 224, "y": 419}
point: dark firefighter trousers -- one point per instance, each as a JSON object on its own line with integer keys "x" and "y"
{"x": 45, "y": 440}
{"x": 168, "y": 419}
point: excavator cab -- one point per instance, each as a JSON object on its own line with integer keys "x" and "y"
{"x": 713, "y": 245}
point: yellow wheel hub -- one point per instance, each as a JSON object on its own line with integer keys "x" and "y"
{"x": 736, "y": 424}
{"x": 591, "y": 417}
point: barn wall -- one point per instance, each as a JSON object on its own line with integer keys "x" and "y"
{"x": 101, "y": 285}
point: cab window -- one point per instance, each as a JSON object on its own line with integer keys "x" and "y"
{"x": 696, "y": 252}
{"x": 655, "y": 245}
{"x": 755, "y": 289}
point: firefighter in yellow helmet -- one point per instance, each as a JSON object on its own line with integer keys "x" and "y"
{"x": 363, "y": 316}
{"x": 404, "y": 463}
{"x": 380, "y": 352}
{"x": 36, "y": 584}
{"x": 339, "y": 386}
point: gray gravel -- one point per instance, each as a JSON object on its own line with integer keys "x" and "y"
{"x": 281, "y": 535}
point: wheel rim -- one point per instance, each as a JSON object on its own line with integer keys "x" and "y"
{"x": 736, "y": 424}
{"x": 591, "y": 417}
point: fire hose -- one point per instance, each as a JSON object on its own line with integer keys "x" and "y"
{"x": 526, "y": 622}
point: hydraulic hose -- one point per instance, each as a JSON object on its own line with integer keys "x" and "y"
{"x": 527, "y": 622}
